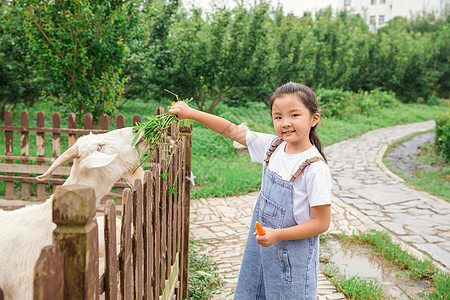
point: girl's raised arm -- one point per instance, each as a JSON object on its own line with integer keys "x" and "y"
{"x": 215, "y": 123}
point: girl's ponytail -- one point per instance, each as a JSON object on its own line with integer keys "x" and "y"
{"x": 314, "y": 139}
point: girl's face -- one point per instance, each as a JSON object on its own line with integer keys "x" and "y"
{"x": 292, "y": 122}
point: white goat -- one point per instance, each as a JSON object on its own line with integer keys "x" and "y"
{"x": 100, "y": 160}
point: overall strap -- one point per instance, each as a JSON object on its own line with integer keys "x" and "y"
{"x": 272, "y": 148}
{"x": 305, "y": 164}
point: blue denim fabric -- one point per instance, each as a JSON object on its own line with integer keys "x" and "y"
{"x": 286, "y": 270}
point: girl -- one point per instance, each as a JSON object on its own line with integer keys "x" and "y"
{"x": 294, "y": 203}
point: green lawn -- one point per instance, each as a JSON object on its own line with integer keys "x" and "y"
{"x": 436, "y": 181}
{"x": 218, "y": 171}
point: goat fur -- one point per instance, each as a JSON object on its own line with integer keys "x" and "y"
{"x": 101, "y": 161}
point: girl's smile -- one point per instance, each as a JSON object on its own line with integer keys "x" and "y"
{"x": 292, "y": 122}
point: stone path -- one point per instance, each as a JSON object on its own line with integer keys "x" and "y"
{"x": 366, "y": 195}
{"x": 415, "y": 217}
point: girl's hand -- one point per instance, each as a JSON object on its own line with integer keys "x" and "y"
{"x": 181, "y": 109}
{"x": 268, "y": 239}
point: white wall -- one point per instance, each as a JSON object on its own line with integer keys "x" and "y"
{"x": 393, "y": 8}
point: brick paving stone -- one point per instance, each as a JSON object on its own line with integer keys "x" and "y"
{"x": 415, "y": 239}
{"x": 421, "y": 230}
{"x": 433, "y": 239}
{"x": 335, "y": 296}
{"x": 436, "y": 252}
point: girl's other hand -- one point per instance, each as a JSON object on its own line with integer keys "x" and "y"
{"x": 181, "y": 109}
{"x": 268, "y": 239}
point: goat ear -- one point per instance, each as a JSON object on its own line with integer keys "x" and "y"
{"x": 97, "y": 160}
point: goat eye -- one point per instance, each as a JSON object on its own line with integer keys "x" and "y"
{"x": 99, "y": 147}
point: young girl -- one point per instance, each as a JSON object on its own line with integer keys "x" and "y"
{"x": 294, "y": 203}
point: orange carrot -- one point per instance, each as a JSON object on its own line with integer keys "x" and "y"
{"x": 259, "y": 229}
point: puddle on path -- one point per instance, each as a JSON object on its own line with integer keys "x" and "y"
{"x": 354, "y": 259}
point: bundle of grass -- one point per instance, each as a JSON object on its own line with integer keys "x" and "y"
{"x": 153, "y": 129}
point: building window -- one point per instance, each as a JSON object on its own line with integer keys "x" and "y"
{"x": 382, "y": 1}
{"x": 373, "y": 1}
{"x": 380, "y": 20}
{"x": 347, "y": 3}
{"x": 372, "y": 20}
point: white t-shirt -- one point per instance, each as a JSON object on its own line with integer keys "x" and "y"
{"x": 311, "y": 188}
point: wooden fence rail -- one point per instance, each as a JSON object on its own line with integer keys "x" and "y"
{"x": 152, "y": 262}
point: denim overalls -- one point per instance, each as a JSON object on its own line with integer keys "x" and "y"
{"x": 287, "y": 269}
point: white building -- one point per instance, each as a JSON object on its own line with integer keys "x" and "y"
{"x": 378, "y": 12}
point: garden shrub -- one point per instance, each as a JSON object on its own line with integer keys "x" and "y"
{"x": 433, "y": 99}
{"x": 338, "y": 103}
{"x": 371, "y": 102}
{"x": 333, "y": 103}
{"x": 442, "y": 141}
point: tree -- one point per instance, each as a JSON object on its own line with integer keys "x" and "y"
{"x": 151, "y": 59}
{"x": 220, "y": 56}
{"x": 405, "y": 58}
{"x": 81, "y": 47}
{"x": 19, "y": 81}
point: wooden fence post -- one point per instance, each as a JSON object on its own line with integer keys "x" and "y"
{"x": 138, "y": 243}
{"x": 9, "y": 152}
{"x": 49, "y": 275}
{"x": 186, "y": 135}
{"x": 156, "y": 217}
{"x": 120, "y": 123}
{"x": 111, "y": 264}
{"x": 126, "y": 271}
{"x": 56, "y": 140}
{"x": 72, "y": 123}
{"x": 76, "y": 236}
{"x": 149, "y": 191}
{"x": 40, "y": 152}
{"x": 24, "y": 152}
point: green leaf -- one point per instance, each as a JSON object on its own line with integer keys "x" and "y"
{"x": 204, "y": 273}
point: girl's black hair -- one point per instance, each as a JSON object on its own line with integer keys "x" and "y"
{"x": 308, "y": 98}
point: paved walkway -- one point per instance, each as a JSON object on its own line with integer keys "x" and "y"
{"x": 366, "y": 195}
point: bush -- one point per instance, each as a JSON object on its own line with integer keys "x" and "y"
{"x": 433, "y": 99}
{"x": 338, "y": 103}
{"x": 376, "y": 99}
{"x": 442, "y": 141}
{"x": 333, "y": 103}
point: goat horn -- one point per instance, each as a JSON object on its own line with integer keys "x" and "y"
{"x": 67, "y": 156}
{"x": 140, "y": 138}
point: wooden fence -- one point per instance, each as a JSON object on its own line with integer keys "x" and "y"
{"x": 16, "y": 167}
{"x": 154, "y": 242}
{"x": 152, "y": 262}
